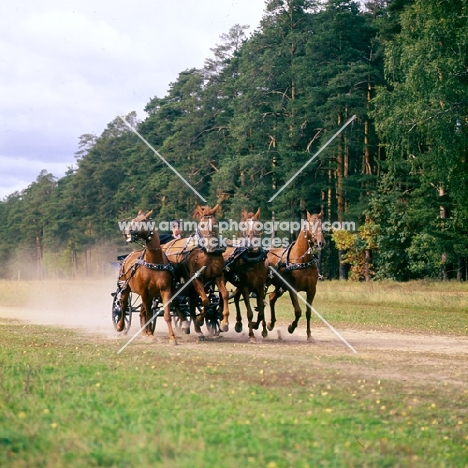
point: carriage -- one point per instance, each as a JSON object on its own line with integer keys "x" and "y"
{"x": 159, "y": 274}
{"x": 212, "y": 319}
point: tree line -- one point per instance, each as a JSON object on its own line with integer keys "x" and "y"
{"x": 261, "y": 107}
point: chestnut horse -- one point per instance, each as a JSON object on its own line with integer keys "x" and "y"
{"x": 245, "y": 267}
{"x": 298, "y": 266}
{"x": 189, "y": 255}
{"x": 146, "y": 272}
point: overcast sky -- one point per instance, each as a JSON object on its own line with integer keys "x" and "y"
{"x": 70, "y": 67}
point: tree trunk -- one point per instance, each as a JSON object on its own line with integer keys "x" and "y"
{"x": 368, "y": 261}
{"x": 342, "y": 268}
{"x": 443, "y": 213}
{"x": 340, "y": 173}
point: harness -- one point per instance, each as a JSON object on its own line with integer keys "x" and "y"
{"x": 184, "y": 253}
{"x": 247, "y": 255}
{"x": 288, "y": 266}
{"x": 154, "y": 266}
{"x": 297, "y": 266}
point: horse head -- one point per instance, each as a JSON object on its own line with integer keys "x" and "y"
{"x": 208, "y": 229}
{"x": 140, "y": 227}
{"x": 312, "y": 229}
{"x": 201, "y": 211}
{"x": 251, "y": 228}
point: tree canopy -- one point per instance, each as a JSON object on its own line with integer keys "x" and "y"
{"x": 239, "y": 128}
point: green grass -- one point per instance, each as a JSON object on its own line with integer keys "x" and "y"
{"x": 70, "y": 400}
{"x": 416, "y": 306}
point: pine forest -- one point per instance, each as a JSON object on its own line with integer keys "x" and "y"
{"x": 266, "y": 101}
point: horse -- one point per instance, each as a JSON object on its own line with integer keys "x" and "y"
{"x": 245, "y": 267}
{"x": 298, "y": 266}
{"x": 189, "y": 255}
{"x": 146, "y": 272}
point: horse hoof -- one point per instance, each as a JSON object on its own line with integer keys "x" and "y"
{"x": 270, "y": 326}
{"x": 291, "y": 329}
{"x": 238, "y": 327}
{"x": 310, "y": 339}
{"x": 173, "y": 342}
{"x": 255, "y": 326}
{"x": 186, "y": 330}
{"x": 201, "y": 337}
{"x": 264, "y": 334}
{"x": 199, "y": 322}
{"x": 252, "y": 340}
{"x": 224, "y": 327}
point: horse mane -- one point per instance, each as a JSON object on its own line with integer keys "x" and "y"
{"x": 201, "y": 211}
{"x": 250, "y": 214}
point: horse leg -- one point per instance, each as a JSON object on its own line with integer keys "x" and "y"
{"x": 310, "y": 298}
{"x": 273, "y": 296}
{"x": 261, "y": 312}
{"x": 221, "y": 285}
{"x": 297, "y": 311}
{"x": 200, "y": 320}
{"x": 166, "y": 297}
{"x": 145, "y": 311}
{"x": 245, "y": 295}
{"x": 238, "y": 326}
{"x": 184, "y": 323}
{"x": 123, "y": 306}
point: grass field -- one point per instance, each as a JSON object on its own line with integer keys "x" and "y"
{"x": 69, "y": 400}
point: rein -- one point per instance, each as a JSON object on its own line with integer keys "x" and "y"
{"x": 297, "y": 266}
{"x": 291, "y": 266}
{"x": 243, "y": 253}
{"x": 154, "y": 266}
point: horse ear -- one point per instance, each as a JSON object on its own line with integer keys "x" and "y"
{"x": 148, "y": 215}
{"x": 257, "y": 214}
{"x": 308, "y": 214}
{"x": 196, "y": 212}
{"x": 211, "y": 211}
{"x": 243, "y": 213}
{"x": 140, "y": 212}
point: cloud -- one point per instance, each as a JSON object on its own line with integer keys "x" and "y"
{"x": 17, "y": 170}
{"x": 68, "y": 68}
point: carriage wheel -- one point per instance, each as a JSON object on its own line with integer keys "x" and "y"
{"x": 212, "y": 325}
{"x": 184, "y": 307}
{"x": 156, "y": 311}
{"x": 214, "y": 314}
{"x": 117, "y": 312}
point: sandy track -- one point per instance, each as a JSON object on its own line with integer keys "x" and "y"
{"x": 86, "y": 305}
{"x": 96, "y": 319}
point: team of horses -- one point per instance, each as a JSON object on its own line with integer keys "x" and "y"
{"x": 157, "y": 270}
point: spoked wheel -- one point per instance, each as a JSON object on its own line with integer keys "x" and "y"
{"x": 183, "y": 303}
{"x": 214, "y": 313}
{"x": 178, "y": 324}
{"x": 212, "y": 325}
{"x": 156, "y": 311}
{"x": 117, "y": 312}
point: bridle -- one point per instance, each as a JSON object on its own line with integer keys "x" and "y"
{"x": 251, "y": 233}
{"x": 142, "y": 240}
{"x": 312, "y": 236}
{"x": 207, "y": 234}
